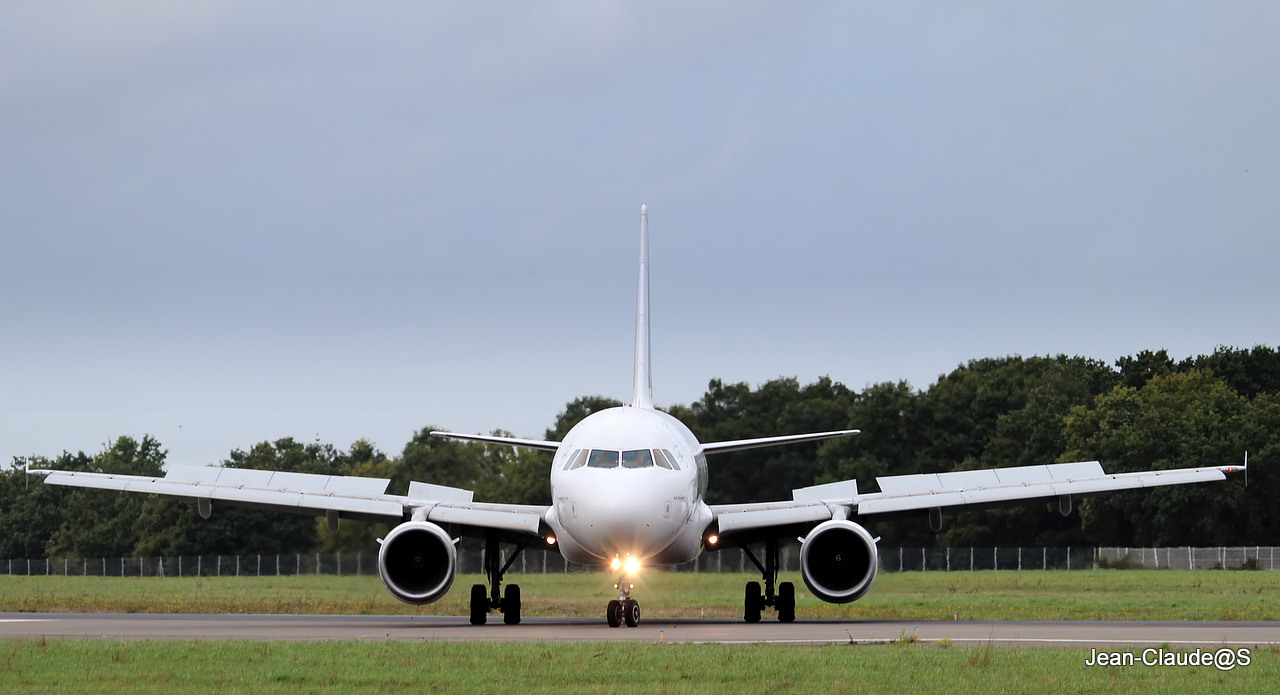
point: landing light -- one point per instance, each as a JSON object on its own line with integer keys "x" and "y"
{"x": 615, "y": 564}
{"x": 551, "y": 540}
{"x": 713, "y": 539}
{"x": 633, "y": 565}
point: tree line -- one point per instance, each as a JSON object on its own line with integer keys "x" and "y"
{"x": 1145, "y": 411}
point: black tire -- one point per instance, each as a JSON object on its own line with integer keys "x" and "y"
{"x": 631, "y": 612}
{"x": 786, "y": 602}
{"x": 752, "y": 603}
{"x": 479, "y": 604}
{"x": 511, "y": 605}
{"x": 613, "y": 614}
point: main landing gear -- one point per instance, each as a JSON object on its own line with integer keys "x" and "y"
{"x": 784, "y": 601}
{"x": 483, "y": 601}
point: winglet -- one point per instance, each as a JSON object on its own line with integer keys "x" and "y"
{"x": 1244, "y": 469}
{"x": 643, "y": 384}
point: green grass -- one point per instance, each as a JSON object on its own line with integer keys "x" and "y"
{"x": 990, "y": 595}
{"x": 36, "y": 666}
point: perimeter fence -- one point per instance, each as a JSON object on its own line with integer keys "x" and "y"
{"x": 471, "y": 561}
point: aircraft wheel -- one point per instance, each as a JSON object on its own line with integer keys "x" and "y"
{"x": 613, "y": 613}
{"x": 752, "y": 603}
{"x": 631, "y": 612}
{"x": 511, "y": 605}
{"x": 479, "y": 604}
{"x": 786, "y": 602}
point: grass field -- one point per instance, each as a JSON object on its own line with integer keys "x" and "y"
{"x": 40, "y": 665}
{"x": 992, "y": 595}
{"x": 36, "y": 666}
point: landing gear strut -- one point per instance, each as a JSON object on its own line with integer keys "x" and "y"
{"x": 624, "y": 608}
{"x": 784, "y": 601}
{"x": 483, "y": 601}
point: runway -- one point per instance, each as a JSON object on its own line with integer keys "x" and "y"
{"x": 398, "y": 627}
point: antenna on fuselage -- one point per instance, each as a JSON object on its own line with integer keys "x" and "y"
{"x": 643, "y": 397}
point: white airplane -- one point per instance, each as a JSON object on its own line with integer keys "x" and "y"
{"x": 627, "y": 488}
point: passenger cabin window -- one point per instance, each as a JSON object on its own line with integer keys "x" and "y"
{"x": 576, "y": 460}
{"x": 663, "y": 453}
{"x": 603, "y": 458}
{"x": 637, "y": 458}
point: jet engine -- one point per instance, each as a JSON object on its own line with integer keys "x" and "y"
{"x": 838, "y": 561}
{"x": 417, "y": 562}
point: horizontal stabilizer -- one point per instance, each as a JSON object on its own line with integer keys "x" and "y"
{"x": 494, "y": 439}
{"x": 739, "y": 444}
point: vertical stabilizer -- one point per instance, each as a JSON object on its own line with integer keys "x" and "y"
{"x": 643, "y": 378}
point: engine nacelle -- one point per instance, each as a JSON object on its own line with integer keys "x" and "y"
{"x": 417, "y": 562}
{"x": 838, "y": 561}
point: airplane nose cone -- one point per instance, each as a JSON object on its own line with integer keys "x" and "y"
{"x": 624, "y": 524}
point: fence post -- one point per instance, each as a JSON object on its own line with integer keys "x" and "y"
{"x": 1044, "y": 558}
{"x": 1019, "y": 558}
{"x": 1068, "y": 557}
{"x": 923, "y": 564}
{"x": 971, "y": 558}
{"x": 948, "y": 558}
{"x": 995, "y": 558}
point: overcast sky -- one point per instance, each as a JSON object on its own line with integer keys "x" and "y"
{"x": 223, "y": 223}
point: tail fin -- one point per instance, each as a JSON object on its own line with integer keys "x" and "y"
{"x": 643, "y": 397}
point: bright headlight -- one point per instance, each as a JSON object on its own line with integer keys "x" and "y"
{"x": 633, "y": 565}
{"x": 615, "y": 564}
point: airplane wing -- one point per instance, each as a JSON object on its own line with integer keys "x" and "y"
{"x": 904, "y": 493}
{"x": 332, "y": 496}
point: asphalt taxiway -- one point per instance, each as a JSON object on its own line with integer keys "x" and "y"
{"x": 400, "y": 627}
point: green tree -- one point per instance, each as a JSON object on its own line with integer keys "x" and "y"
{"x": 1250, "y": 372}
{"x": 1137, "y": 370}
{"x": 1176, "y": 420}
{"x": 30, "y": 511}
{"x": 102, "y": 523}
{"x": 577, "y": 409}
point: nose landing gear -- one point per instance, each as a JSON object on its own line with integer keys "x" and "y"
{"x": 625, "y": 609}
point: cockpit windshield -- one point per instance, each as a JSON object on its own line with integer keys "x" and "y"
{"x": 611, "y": 458}
{"x": 637, "y": 458}
{"x": 603, "y": 458}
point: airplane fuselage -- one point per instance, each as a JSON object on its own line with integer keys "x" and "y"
{"x": 629, "y": 481}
